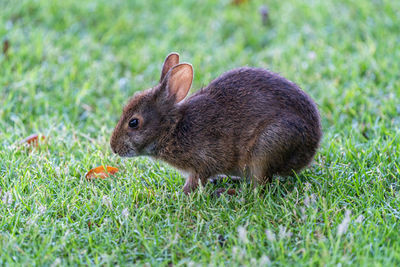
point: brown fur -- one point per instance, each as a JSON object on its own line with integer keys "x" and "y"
{"x": 249, "y": 122}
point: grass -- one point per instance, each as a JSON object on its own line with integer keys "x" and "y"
{"x": 72, "y": 64}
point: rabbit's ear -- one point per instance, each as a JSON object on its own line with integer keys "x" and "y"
{"x": 170, "y": 61}
{"x": 179, "y": 80}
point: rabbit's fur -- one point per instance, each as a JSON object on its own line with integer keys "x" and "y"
{"x": 249, "y": 122}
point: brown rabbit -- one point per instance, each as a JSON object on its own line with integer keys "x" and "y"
{"x": 248, "y": 122}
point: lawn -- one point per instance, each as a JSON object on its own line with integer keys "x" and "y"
{"x": 70, "y": 67}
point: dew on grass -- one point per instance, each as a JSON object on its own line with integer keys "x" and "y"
{"x": 8, "y": 198}
{"x": 125, "y": 213}
{"x": 242, "y": 232}
{"x": 270, "y": 235}
{"x": 307, "y": 186}
{"x": 284, "y": 232}
{"x": 264, "y": 260}
{"x": 42, "y": 209}
{"x": 106, "y": 200}
{"x": 359, "y": 219}
{"x": 344, "y": 225}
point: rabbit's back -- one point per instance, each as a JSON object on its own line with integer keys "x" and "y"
{"x": 243, "y": 99}
{"x": 261, "y": 93}
{"x": 247, "y": 111}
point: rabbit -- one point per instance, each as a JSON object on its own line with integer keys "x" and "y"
{"x": 249, "y": 122}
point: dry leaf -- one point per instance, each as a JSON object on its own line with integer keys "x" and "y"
{"x": 91, "y": 224}
{"x": 6, "y": 45}
{"x": 231, "y": 192}
{"x": 220, "y": 191}
{"x": 33, "y": 140}
{"x": 238, "y": 2}
{"x": 100, "y": 172}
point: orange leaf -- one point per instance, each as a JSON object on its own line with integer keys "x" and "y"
{"x": 100, "y": 172}
{"x": 32, "y": 140}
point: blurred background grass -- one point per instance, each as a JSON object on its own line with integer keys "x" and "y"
{"x": 89, "y": 56}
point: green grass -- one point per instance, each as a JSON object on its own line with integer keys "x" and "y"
{"x": 72, "y": 65}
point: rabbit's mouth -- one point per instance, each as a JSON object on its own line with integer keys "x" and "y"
{"x": 128, "y": 154}
{"x": 148, "y": 150}
{"x": 125, "y": 152}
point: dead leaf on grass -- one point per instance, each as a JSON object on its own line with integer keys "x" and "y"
{"x": 33, "y": 140}
{"x": 101, "y": 172}
{"x": 6, "y": 45}
{"x": 238, "y": 2}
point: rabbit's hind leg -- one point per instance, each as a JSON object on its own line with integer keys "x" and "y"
{"x": 276, "y": 151}
{"x": 259, "y": 172}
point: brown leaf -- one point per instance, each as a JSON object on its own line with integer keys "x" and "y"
{"x": 100, "y": 172}
{"x": 231, "y": 192}
{"x": 6, "y": 45}
{"x": 91, "y": 224}
{"x": 238, "y": 2}
{"x": 33, "y": 140}
{"x": 219, "y": 192}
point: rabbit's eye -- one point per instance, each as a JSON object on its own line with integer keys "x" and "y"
{"x": 134, "y": 123}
